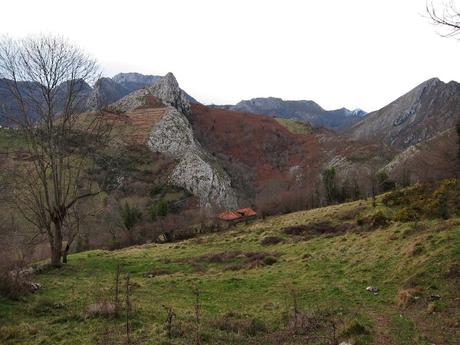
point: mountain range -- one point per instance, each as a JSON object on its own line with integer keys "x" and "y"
{"x": 104, "y": 92}
{"x": 302, "y": 110}
{"x": 228, "y": 156}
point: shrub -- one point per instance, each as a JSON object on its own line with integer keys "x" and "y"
{"x": 130, "y": 215}
{"x": 101, "y": 309}
{"x": 14, "y": 280}
{"x": 406, "y": 215}
{"x": 378, "y": 219}
{"x": 373, "y": 221}
{"x": 429, "y": 200}
{"x": 270, "y": 260}
{"x": 384, "y": 183}
{"x": 159, "y": 209}
{"x": 157, "y": 189}
{"x": 328, "y": 178}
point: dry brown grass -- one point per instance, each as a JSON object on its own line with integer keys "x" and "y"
{"x": 102, "y": 309}
{"x": 406, "y": 297}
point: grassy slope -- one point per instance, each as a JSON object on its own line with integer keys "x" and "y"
{"x": 333, "y": 275}
{"x": 294, "y": 126}
{"x": 11, "y": 141}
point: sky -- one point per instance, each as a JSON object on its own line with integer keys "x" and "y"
{"x": 354, "y": 53}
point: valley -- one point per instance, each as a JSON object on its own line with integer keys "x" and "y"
{"x": 134, "y": 214}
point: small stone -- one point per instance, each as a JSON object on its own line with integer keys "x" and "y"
{"x": 435, "y": 297}
{"x": 34, "y": 287}
{"x": 372, "y": 289}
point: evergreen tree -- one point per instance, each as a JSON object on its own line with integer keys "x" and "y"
{"x": 328, "y": 177}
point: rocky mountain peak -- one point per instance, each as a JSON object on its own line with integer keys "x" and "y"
{"x": 168, "y": 91}
{"x": 432, "y": 82}
{"x": 430, "y": 108}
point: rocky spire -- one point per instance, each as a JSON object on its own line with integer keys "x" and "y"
{"x": 168, "y": 91}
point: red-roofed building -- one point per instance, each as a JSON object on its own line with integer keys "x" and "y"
{"x": 242, "y": 214}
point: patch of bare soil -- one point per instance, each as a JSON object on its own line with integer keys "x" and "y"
{"x": 235, "y": 260}
{"x": 307, "y": 231}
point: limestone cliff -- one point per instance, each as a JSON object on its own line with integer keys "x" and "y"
{"x": 196, "y": 170}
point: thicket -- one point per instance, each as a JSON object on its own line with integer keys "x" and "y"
{"x": 429, "y": 200}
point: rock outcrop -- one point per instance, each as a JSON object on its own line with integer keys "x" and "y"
{"x": 197, "y": 171}
{"x": 166, "y": 89}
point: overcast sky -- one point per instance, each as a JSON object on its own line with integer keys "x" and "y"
{"x": 354, "y": 53}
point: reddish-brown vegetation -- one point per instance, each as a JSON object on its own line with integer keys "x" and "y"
{"x": 266, "y": 148}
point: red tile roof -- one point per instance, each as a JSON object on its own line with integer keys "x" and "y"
{"x": 240, "y": 213}
{"x": 247, "y": 212}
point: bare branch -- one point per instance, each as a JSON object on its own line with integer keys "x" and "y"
{"x": 445, "y": 14}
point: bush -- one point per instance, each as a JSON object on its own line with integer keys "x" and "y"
{"x": 384, "y": 183}
{"x": 157, "y": 190}
{"x": 130, "y": 215}
{"x": 13, "y": 286}
{"x": 429, "y": 200}
{"x": 159, "y": 209}
{"x": 378, "y": 219}
{"x": 101, "y": 309}
{"x": 270, "y": 260}
{"x": 406, "y": 215}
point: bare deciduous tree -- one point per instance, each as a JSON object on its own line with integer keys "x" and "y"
{"x": 446, "y": 14}
{"x": 47, "y": 76}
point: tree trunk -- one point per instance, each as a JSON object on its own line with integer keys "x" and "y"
{"x": 64, "y": 254}
{"x": 56, "y": 246}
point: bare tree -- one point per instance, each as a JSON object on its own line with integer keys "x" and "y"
{"x": 47, "y": 76}
{"x": 446, "y": 14}
{"x": 72, "y": 226}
